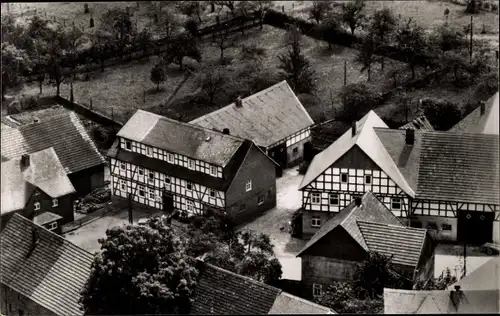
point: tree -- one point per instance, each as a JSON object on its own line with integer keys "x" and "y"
{"x": 74, "y": 38}
{"x": 157, "y": 75}
{"x": 169, "y": 22}
{"x": 56, "y": 49}
{"x": 228, "y": 4}
{"x": 212, "y": 81}
{"x": 144, "y": 40}
{"x": 191, "y": 8}
{"x": 319, "y": 10}
{"x": 442, "y": 114}
{"x": 294, "y": 65}
{"x": 382, "y": 25}
{"x": 252, "y": 52}
{"x": 102, "y": 46}
{"x": 446, "y": 38}
{"x": 118, "y": 24}
{"x": 473, "y": 6}
{"x": 330, "y": 27}
{"x": 192, "y": 27}
{"x": 353, "y": 14}
{"x": 140, "y": 270}
{"x": 357, "y": 100}
{"x": 14, "y": 61}
{"x": 341, "y": 298}
{"x": 437, "y": 284}
{"x": 366, "y": 54}
{"x": 258, "y": 7}
{"x": 223, "y": 41}
{"x": 182, "y": 46}
{"x": 412, "y": 43}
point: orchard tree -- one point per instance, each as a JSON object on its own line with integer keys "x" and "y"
{"x": 413, "y": 44}
{"x": 193, "y": 8}
{"x": 383, "y": 24}
{"x": 366, "y": 54}
{"x": 294, "y": 65}
{"x": 331, "y": 27}
{"x": 144, "y": 39}
{"x": 231, "y": 5}
{"x": 446, "y": 38}
{"x": 56, "y": 49}
{"x": 14, "y": 62}
{"x": 102, "y": 46}
{"x": 212, "y": 81}
{"x": 442, "y": 114}
{"x": 259, "y": 8}
{"x": 182, "y": 46}
{"x": 169, "y": 23}
{"x": 353, "y": 14}
{"x": 140, "y": 270}
{"x": 319, "y": 10}
{"x": 118, "y": 23}
{"x": 223, "y": 41}
{"x": 74, "y": 39}
{"x": 157, "y": 75}
{"x": 357, "y": 100}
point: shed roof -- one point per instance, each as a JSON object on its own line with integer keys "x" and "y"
{"x": 52, "y": 274}
{"x": 478, "y": 123}
{"x": 266, "y": 117}
{"x": 419, "y": 123}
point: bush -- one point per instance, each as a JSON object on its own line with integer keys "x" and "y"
{"x": 494, "y": 7}
{"x": 357, "y": 100}
{"x": 442, "y": 114}
{"x": 303, "y": 167}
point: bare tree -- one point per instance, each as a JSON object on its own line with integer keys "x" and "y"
{"x": 353, "y": 14}
{"x": 212, "y": 81}
{"x": 223, "y": 41}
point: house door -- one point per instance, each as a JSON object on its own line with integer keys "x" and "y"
{"x": 168, "y": 202}
{"x": 278, "y": 154}
{"x": 475, "y": 227}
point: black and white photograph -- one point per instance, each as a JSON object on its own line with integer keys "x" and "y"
{"x": 250, "y": 157}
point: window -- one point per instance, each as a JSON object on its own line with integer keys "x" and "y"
{"x": 123, "y": 185}
{"x": 213, "y": 170}
{"x": 190, "y": 205}
{"x": 295, "y": 151}
{"x": 248, "y": 185}
{"x": 212, "y": 193}
{"x": 141, "y": 171}
{"x": 151, "y": 176}
{"x": 260, "y": 200}
{"x": 170, "y": 158}
{"x": 315, "y": 221}
{"x": 152, "y": 194}
{"x": 128, "y": 145}
{"x": 37, "y": 206}
{"x": 315, "y": 198}
{"x": 52, "y": 225}
{"x": 432, "y": 226}
{"x": 396, "y": 204}
{"x": 368, "y": 179}
{"x": 141, "y": 191}
{"x": 55, "y": 202}
{"x": 167, "y": 181}
{"x": 123, "y": 166}
{"x": 334, "y": 199}
{"x": 191, "y": 164}
{"x": 343, "y": 178}
{"x": 149, "y": 151}
{"x": 317, "y": 289}
{"x": 446, "y": 227}
{"x": 189, "y": 186}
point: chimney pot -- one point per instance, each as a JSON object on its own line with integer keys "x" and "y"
{"x": 238, "y": 102}
{"x": 25, "y": 160}
{"x": 410, "y": 137}
{"x": 483, "y": 108}
{"x": 353, "y": 128}
{"x": 225, "y": 131}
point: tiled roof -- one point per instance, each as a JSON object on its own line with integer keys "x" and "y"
{"x": 403, "y": 244}
{"x": 52, "y": 274}
{"x": 440, "y": 302}
{"x": 372, "y": 210}
{"x": 64, "y": 132}
{"x": 221, "y": 292}
{"x": 177, "y": 171}
{"x": 182, "y": 138}
{"x": 265, "y": 117}
{"x": 486, "y": 277}
{"x": 419, "y": 123}
{"x": 45, "y": 172}
{"x": 27, "y": 117}
{"x": 476, "y": 123}
{"x": 368, "y": 142}
{"x": 45, "y": 217}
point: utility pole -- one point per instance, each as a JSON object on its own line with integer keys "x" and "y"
{"x": 471, "y": 32}
{"x": 345, "y": 73}
{"x": 465, "y": 261}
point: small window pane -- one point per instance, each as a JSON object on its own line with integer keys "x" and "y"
{"x": 343, "y": 177}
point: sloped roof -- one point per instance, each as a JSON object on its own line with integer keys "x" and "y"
{"x": 481, "y": 124}
{"x": 182, "y": 138}
{"x": 440, "y": 302}
{"x": 44, "y": 172}
{"x": 27, "y": 117}
{"x": 52, "y": 275}
{"x": 486, "y": 277}
{"x": 45, "y": 218}
{"x": 65, "y": 132}
{"x": 265, "y": 117}
{"x": 368, "y": 142}
{"x": 222, "y": 292}
{"x": 371, "y": 210}
{"x": 419, "y": 123}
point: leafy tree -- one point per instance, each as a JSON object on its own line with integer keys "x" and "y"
{"x": 366, "y": 54}
{"x": 182, "y": 46}
{"x": 192, "y": 27}
{"x": 341, "y": 298}
{"x": 319, "y": 10}
{"x": 14, "y": 61}
{"x": 295, "y": 67}
{"x": 102, "y": 46}
{"x": 75, "y": 39}
{"x": 473, "y": 6}
{"x": 157, "y": 75}
{"x": 383, "y": 24}
{"x": 223, "y": 41}
{"x": 446, "y": 38}
{"x": 412, "y": 43}
{"x": 353, "y": 14}
{"x": 357, "y": 100}
{"x": 56, "y": 49}
{"x": 442, "y": 114}
{"x": 455, "y": 62}
{"x": 437, "y": 284}
{"x": 144, "y": 38}
{"x": 192, "y": 8}
{"x": 330, "y": 27}
{"x": 169, "y": 23}
{"x": 212, "y": 81}
{"x": 140, "y": 270}
{"x": 228, "y": 4}
{"x": 14, "y": 33}
{"x": 118, "y": 24}
{"x": 258, "y": 7}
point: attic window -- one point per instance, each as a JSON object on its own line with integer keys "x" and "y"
{"x": 191, "y": 164}
{"x": 128, "y": 145}
{"x": 170, "y": 157}
{"x": 315, "y": 198}
{"x": 37, "y": 206}
{"x": 396, "y": 204}
{"x": 55, "y": 202}
{"x": 123, "y": 166}
{"x": 368, "y": 179}
{"x": 334, "y": 199}
{"x": 248, "y": 185}
{"x": 213, "y": 170}
{"x": 343, "y": 178}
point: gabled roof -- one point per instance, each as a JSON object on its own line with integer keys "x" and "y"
{"x": 65, "y": 132}
{"x": 182, "y": 138}
{"x": 476, "y": 123}
{"x": 486, "y": 277}
{"x": 265, "y": 117}
{"x": 371, "y": 209}
{"x": 221, "y": 292}
{"x": 52, "y": 274}
{"x": 440, "y": 302}
{"x": 367, "y": 140}
{"x": 45, "y": 172}
{"x": 419, "y": 123}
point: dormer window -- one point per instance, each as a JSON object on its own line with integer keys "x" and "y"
{"x": 37, "y": 206}
{"x": 248, "y": 185}
{"x": 128, "y": 145}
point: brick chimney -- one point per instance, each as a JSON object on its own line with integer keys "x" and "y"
{"x": 353, "y": 128}
{"x": 238, "y": 102}
{"x": 225, "y": 131}
{"x": 25, "y": 161}
{"x": 410, "y": 137}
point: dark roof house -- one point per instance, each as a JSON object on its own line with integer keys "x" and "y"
{"x": 482, "y": 120}
{"x": 43, "y": 267}
{"x": 221, "y": 292}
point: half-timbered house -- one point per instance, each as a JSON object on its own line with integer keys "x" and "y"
{"x": 447, "y": 182}
{"x": 273, "y": 118}
{"x": 365, "y": 225}
{"x": 483, "y": 120}
{"x": 37, "y": 187}
{"x": 178, "y": 166}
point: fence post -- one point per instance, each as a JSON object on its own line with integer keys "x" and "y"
{"x": 91, "y": 103}
{"x": 345, "y": 73}
{"x": 112, "y": 114}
